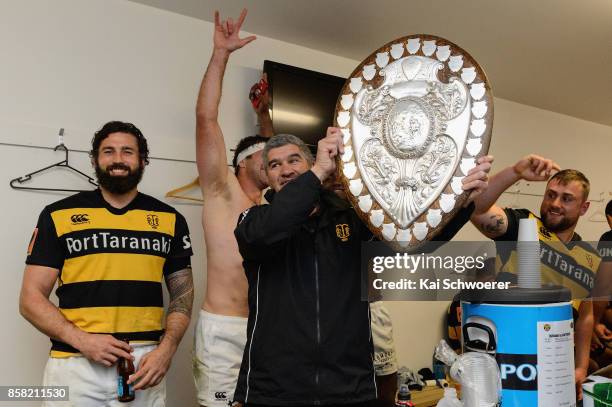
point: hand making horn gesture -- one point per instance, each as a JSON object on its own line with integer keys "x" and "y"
{"x": 227, "y": 33}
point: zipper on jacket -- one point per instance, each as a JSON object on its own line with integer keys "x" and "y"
{"x": 318, "y": 310}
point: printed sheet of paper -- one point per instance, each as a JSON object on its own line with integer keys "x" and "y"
{"x": 556, "y": 364}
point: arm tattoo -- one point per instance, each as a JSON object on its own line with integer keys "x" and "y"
{"x": 494, "y": 225}
{"x": 180, "y": 287}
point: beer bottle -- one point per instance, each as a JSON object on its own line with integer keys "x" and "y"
{"x": 125, "y": 368}
{"x": 403, "y": 398}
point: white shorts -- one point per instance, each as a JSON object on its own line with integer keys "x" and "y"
{"x": 219, "y": 345}
{"x": 385, "y": 361}
{"x": 91, "y": 384}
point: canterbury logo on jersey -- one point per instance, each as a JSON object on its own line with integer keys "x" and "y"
{"x": 545, "y": 233}
{"x": 220, "y": 395}
{"x": 79, "y": 218}
{"x": 109, "y": 240}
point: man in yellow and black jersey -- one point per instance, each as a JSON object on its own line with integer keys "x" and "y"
{"x": 108, "y": 250}
{"x": 565, "y": 261}
{"x": 572, "y": 264}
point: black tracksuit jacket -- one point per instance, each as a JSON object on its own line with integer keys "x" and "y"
{"x": 308, "y": 334}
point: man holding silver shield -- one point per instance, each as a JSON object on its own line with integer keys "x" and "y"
{"x": 308, "y": 335}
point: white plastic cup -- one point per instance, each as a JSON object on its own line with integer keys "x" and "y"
{"x": 528, "y": 230}
{"x": 528, "y": 251}
{"x": 529, "y": 266}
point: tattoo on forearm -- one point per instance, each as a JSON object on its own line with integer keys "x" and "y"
{"x": 180, "y": 287}
{"x": 494, "y": 225}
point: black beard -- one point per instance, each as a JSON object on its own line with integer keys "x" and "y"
{"x": 119, "y": 184}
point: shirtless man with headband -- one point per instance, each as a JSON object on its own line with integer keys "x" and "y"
{"x": 221, "y": 329}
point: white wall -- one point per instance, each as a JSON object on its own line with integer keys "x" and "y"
{"x": 79, "y": 63}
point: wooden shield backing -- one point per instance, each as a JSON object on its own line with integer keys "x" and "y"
{"x": 415, "y": 115}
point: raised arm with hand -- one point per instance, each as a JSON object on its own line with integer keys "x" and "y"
{"x": 491, "y": 219}
{"x": 210, "y": 148}
{"x": 328, "y": 149}
{"x": 477, "y": 179}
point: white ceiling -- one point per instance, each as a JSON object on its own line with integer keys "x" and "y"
{"x": 552, "y": 54}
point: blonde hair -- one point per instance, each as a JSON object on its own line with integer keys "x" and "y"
{"x": 564, "y": 177}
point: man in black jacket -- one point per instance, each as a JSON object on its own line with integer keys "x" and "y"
{"x": 309, "y": 339}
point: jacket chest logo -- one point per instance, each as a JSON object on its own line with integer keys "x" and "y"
{"x": 343, "y": 231}
{"x": 153, "y": 221}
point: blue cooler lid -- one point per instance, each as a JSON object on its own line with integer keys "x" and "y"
{"x": 548, "y": 294}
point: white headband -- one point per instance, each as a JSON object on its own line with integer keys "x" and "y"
{"x": 250, "y": 150}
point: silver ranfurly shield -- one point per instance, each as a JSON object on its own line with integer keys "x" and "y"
{"x": 415, "y": 115}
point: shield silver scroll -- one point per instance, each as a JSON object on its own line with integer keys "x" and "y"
{"x": 416, "y": 114}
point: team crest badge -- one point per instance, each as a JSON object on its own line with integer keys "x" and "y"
{"x": 343, "y": 232}
{"x": 153, "y": 221}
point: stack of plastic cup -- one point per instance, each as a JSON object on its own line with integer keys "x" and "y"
{"x": 528, "y": 250}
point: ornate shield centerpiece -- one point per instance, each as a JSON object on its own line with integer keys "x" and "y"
{"x": 416, "y": 114}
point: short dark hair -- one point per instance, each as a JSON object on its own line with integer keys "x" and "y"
{"x": 280, "y": 140}
{"x": 564, "y": 177}
{"x": 609, "y": 208}
{"x": 119, "y": 127}
{"x": 243, "y": 145}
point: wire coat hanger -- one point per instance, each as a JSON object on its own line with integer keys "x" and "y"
{"x": 177, "y": 193}
{"x": 599, "y": 215}
{"x": 62, "y": 164}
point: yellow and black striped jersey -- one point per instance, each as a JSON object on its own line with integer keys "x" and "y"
{"x": 572, "y": 265}
{"x": 111, "y": 262}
